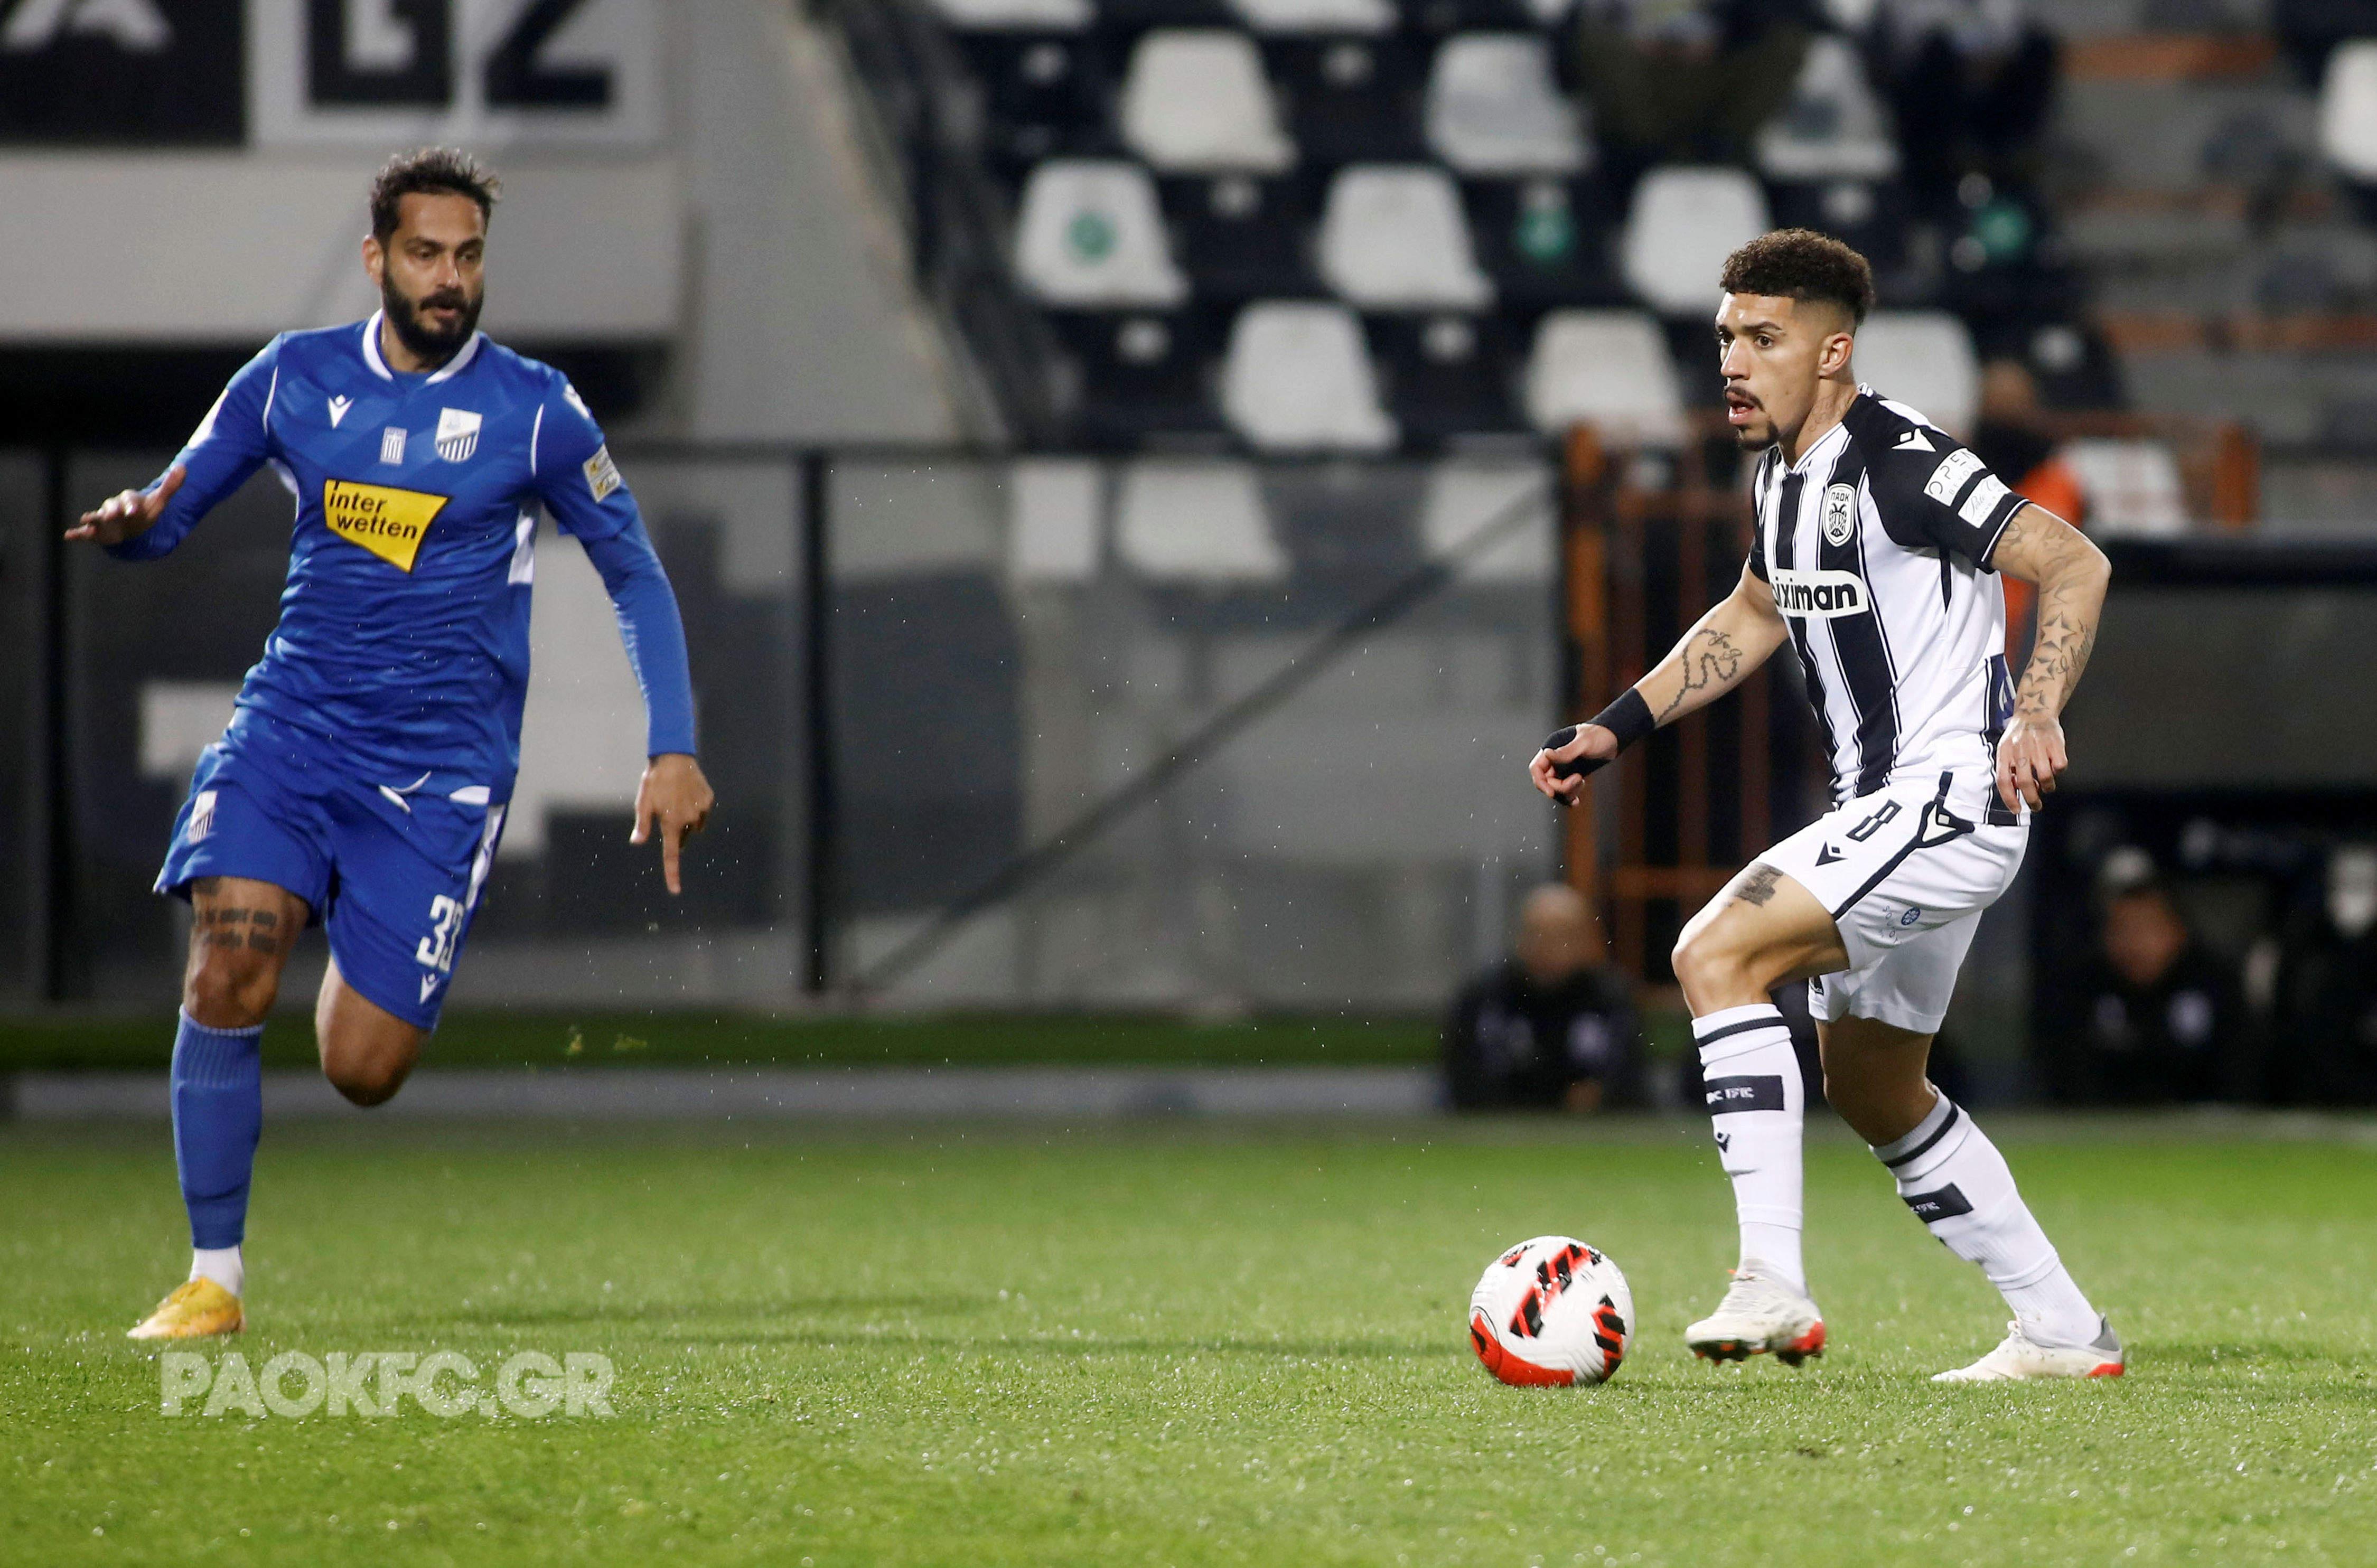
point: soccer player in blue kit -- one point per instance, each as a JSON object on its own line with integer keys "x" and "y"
{"x": 362, "y": 780}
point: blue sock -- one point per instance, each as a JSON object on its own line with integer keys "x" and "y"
{"x": 217, "y": 1116}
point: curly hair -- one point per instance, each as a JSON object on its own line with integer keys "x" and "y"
{"x": 446, "y": 170}
{"x": 1803, "y": 265}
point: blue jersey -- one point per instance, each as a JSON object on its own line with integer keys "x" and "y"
{"x": 403, "y": 639}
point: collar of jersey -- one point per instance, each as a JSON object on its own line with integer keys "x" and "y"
{"x": 1841, "y": 429}
{"x": 444, "y": 372}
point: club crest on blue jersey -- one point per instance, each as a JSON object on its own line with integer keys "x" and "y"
{"x": 458, "y": 433}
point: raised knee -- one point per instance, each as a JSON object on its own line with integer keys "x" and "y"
{"x": 365, "y": 1083}
{"x": 228, "y": 993}
{"x": 1700, "y": 962}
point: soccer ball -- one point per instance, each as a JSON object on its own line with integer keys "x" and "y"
{"x": 1552, "y": 1310}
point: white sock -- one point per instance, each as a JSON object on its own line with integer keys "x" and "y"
{"x": 1757, "y": 1104}
{"x": 222, "y": 1264}
{"x": 1957, "y": 1183}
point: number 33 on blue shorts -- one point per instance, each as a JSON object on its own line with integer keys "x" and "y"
{"x": 392, "y": 871}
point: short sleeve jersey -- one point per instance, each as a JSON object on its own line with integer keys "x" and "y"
{"x": 1876, "y": 545}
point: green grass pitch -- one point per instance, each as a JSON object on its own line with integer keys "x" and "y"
{"x": 1178, "y": 1345}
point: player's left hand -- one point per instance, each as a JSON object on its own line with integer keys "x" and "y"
{"x": 2030, "y": 755}
{"x": 677, "y": 799}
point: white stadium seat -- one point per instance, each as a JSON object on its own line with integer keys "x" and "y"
{"x": 1924, "y": 359}
{"x": 1196, "y": 101}
{"x": 1195, "y": 519}
{"x": 1394, "y": 238}
{"x": 1369, "y": 17}
{"x": 1466, "y": 494}
{"x": 1091, "y": 235}
{"x": 2132, "y": 487}
{"x": 1832, "y": 128}
{"x": 1493, "y": 108}
{"x": 2347, "y": 110}
{"x": 1001, "y": 16}
{"x": 1609, "y": 369}
{"x": 1298, "y": 379}
{"x": 1053, "y": 517}
{"x": 1684, "y": 223}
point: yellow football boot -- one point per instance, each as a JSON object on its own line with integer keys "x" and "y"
{"x": 193, "y": 1311}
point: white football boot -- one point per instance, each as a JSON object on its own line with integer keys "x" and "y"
{"x": 1759, "y": 1315}
{"x": 2021, "y": 1359}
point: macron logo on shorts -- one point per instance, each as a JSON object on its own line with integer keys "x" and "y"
{"x": 202, "y": 816}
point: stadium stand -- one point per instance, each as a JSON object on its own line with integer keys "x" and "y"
{"x": 1413, "y": 191}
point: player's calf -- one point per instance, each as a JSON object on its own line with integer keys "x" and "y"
{"x": 367, "y": 1052}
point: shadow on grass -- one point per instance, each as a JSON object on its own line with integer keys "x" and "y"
{"x": 632, "y": 1313}
{"x": 1088, "y": 1346}
{"x": 2217, "y": 1355}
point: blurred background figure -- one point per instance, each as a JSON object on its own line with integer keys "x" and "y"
{"x": 2157, "y": 1018}
{"x": 1552, "y": 1027}
{"x": 2325, "y": 1052}
{"x": 2013, "y": 439}
{"x": 1970, "y": 83}
{"x": 1685, "y": 82}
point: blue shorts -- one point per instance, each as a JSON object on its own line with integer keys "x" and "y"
{"x": 392, "y": 870}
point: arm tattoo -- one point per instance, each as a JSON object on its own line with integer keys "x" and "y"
{"x": 1710, "y": 663}
{"x": 1756, "y": 885}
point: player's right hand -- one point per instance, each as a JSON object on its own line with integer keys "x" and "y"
{"x": 1592, "y": 745}
{"x": 128, "y": 512}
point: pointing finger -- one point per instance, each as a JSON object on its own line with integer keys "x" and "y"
{"x": 669, "y": 858}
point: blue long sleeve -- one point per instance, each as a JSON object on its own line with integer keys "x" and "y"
{"x": 652, "y": 631}
{"x": 230, "y": 443}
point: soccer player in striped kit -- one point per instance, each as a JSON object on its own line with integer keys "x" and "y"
{"x": 1879, "y": 541}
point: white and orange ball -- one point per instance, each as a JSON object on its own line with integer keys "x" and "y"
{"x": 1551, "y": 1311}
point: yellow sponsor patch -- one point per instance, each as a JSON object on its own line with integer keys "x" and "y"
{"x": 385, "y": 520}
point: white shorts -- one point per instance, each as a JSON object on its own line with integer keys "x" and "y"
{"x": 1906, "y": 873}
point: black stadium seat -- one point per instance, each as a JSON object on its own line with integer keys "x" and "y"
{"x": 1141, "y": 373}
{"x": 1349, "y": 99}
{"x": 1545, "y": 239}
{"x": 1044, "y": 95}
{"x": 1445, "y": 374}
{"x": 1241, "y": 236}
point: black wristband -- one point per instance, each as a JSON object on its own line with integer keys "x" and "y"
{"x": 1628, "y": 719}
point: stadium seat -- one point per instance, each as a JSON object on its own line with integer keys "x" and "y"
{"x": 1445, "y": 376}
{"x": 1090, "y": 236}
{"x": 2348, "y": 110}
{"x": 1608, "y": 369}
{"x": 1832, "y": 128}
{"x": 1349, "y": 99}
{"x": 1296, "y": 379}
{"x": 1138, "y": 374}
{"x": 1924, "y": 359}
{"x": 2132, "y": 487}
{"x": 1045, "y": 94}
{"x": 1002, "y": 15}
{"x": 1543, "y": 241}
{"x": 1465, "y": 495}
{"x": 1197, "y": 520}
{"x": 1685, "y": 221}
{"x": 1394, "y": 238}
{"x": 1197, "y": 99}
{"x": 1869, "y": 214}
{"x": 1493, "y": 108}
{"x": 1053, "y": 520}
{"x": 1366, "y": 17}
{"x": 1241, "y": 237}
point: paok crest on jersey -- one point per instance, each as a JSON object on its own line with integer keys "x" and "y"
{"x": 1876, "y": 546}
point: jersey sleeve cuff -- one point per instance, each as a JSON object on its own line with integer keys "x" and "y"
{"x": 2003, "y": 518}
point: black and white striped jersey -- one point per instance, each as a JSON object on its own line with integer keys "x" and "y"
{"x": 1876, "y": 545}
